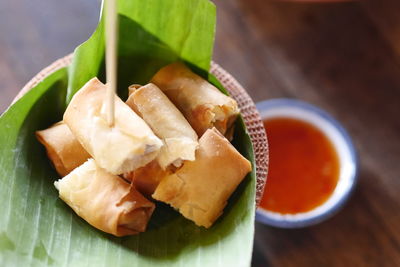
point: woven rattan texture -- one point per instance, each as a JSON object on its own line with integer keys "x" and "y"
{"x": 253, "y": 123}
{"x": 247, "y": 107}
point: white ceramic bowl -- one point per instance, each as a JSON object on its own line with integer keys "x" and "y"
{"x": 347, "y": 158}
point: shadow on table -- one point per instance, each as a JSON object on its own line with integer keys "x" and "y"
{"x": 363, "y": 232}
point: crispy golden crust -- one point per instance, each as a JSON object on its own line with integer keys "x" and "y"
{"x": 105, "y": 201}
{"x": 133, "y": 88}
{"x": 200, "y": 189}
{"x": 147, "y": 178}
{"x": 202, "y": 104}
{"x": 167, "y": 122}
{"x": 123, "y": 147}
{"x": 63, "y": 149}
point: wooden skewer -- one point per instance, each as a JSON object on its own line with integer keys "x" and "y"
{"x": 111, "y": 58}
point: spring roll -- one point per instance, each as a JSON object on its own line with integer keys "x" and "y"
{"x": 147, "y": 178}
{"x": 120, "y": 148}
{"x": 63, "y": 149}
{"x": 200, "y": 189}
{"x": 133, "y": 88}
{"x": 104, "y": 200}
{"x": 167, "y": 122}
{"x": 203, "y": 105}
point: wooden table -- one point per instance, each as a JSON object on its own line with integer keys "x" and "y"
{"x": 341, "y": 57}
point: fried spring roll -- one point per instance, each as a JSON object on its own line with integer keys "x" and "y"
{"x": 133, "y": 88}
{"x": 63, "y": 149}
{"x": 123, "y": 147}
{"x": 203, "y": 105}
{"x": 104, "y": 200}
{"x": 167, "y": 122}
{"x": 147, "y": 178}
{"x": 200, "y": 189}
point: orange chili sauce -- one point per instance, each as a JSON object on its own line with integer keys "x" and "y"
{"x": 304, "y": 166}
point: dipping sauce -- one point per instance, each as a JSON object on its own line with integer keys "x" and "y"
{"x": 304, "y": 166}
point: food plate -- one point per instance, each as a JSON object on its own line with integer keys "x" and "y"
{"x": 38, "y": 228}
{"x": 144, "y": 252}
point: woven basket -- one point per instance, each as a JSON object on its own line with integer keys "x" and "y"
{"x": 248, "y": 109}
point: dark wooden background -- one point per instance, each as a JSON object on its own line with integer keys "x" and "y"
{"x": 342, "y": 57}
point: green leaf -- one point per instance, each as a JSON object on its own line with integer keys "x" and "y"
{"x": 152, "y": 33}
{"x": 38, "y": 229}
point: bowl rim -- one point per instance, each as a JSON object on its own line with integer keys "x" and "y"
{"x": 281, "y": 222}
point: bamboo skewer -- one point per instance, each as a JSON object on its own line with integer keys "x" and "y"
{"x": 111, "y": 58}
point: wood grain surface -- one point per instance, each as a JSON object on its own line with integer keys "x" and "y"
{"x": 342, "y": 57}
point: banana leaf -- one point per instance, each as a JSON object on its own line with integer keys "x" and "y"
{"x": 38, "y": 229}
